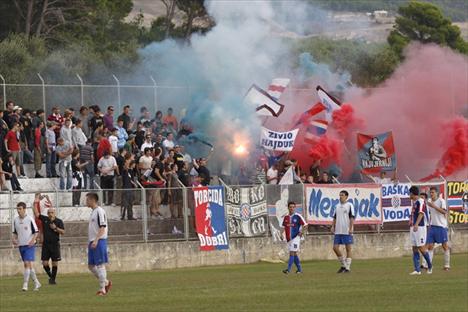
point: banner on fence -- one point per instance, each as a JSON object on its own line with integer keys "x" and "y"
{"x": 278, "y": 141}
{"x": 278, "y": 198}
{"x": 321, "y": 202}
{"x": 376, "y": 152}
{"x": 246, "y": 211}
{"x": 457, "y": 201}
{"x": 210, "y": 218}
{"x": 396, "y": 202}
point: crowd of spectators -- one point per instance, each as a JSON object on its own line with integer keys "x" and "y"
{"x": 93, "y": 147}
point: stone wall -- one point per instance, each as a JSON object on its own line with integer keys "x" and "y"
{"x": 179, "y": 254}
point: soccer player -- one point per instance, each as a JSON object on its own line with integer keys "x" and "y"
{"x": 418, "y": 231}
{"x": 293, "y": 226}
{"x": 97, "y": 246}
{"x": 343, "y": 226}
{"x": 52, "y": 228}
{"x": 25, "y": 232}
{"x": 438, "y": 230}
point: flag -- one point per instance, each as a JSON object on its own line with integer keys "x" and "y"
{"x": 265, "y": 105}
{"x": 330, "y": 102}
{"x": 376, "y": 152}
{"x": 318, "y": 126}
{"x": 277, "y": 87}
{"x": 313, "y": 111}
{"x": 288, "y": 177}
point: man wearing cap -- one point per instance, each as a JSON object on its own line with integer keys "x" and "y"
{"x": 52, "y": 229}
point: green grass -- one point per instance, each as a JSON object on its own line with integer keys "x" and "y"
{"x": 374, "y": 285}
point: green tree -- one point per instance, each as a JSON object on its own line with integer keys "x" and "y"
{"x": 424, "y": 22}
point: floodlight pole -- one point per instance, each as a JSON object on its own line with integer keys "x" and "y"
{"x": 4, "y": 91}
{"x": 118, "y": 91}
{"x": 82, "y": 90}
{"x": 43, "y": 96}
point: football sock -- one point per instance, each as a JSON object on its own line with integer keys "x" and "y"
{"x": 290, "y": 262}
{"x": 26, "y": 274}
{"x": 348, "y": 263}
{"x": 297, "y": 262}
{"x": 102, "y": 273}
{"x": 33, "y": 275}
{"x": 431, "y": 254}
{"x": 54, "y": 272}
{"x": 93, "y": 269}
{"x": 342, "y": 261}
{"x": 47, "y": 270}
{"x": 416, "y": 261}
{"x": 428, "y": 260}
{"x": 447, "y": 258}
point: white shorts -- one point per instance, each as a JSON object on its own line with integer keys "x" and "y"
{"x": 418, "y": 238}
{"x": 294, "y": 244}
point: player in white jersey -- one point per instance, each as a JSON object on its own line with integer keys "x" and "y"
{"x": 343, "y": 224}
{"x": 438, "y": 232}
{"x": 25, "y": 232}
{"x": 97, "y": 243}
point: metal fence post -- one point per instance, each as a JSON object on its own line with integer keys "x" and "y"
{"x": 186, "y": 210}
{"x": 82, "y": 89}
{"x": 144, "y": 212}
{"x": 155, "y": 94}
{"x": 43, "y": 96}
{"x": 118, "y": 91}
{"x": 4, "y": 91}
{"x": 10, "y": 210}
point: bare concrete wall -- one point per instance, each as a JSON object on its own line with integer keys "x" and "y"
{"x": 168, "y": 255}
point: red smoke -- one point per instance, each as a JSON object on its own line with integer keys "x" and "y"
{"x": 326, "y": 149}
{"x": 345, "y": 122}
{"x": 425, "y": 91}
{"x": 455, "y": 158}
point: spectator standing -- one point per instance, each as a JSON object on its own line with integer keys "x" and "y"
{"x": 8, "y": 169}
{"x": 78, "y": 136}
{"x": 108, "y": 118}
{"x": 107, "y": 167}
{"x": 325, "y": 179}
{"x": 84, "y": 117}
{"x": 8, "y": 112}
{"x": 57, "y": 119}
{"x": 147, "y": 143}
{"x": 145, "y": 161}
{"x": 51, "y": 157}
{"x": 87, "y": 156}
{"x": 203, "y": 172}
{"x": 128, "y": 183}
{"x": 64, "y": 151}
{"x": 169, "y": 143}
{"x": 183, "y": 175}
{"x": 272, "y": 175}
{"x": 127, "y": 121}
{"x": 3, "y": 132}
{"x": 66, "y": 132}
{"x": 113, "y": 140}
{"x": 157, "y": 122}
{"x": 78, "y": 180}
{"x": 40, "y": 148}
{"x": 170, "y": 119}
{"x": 122, "y": 134}
{"x": 25, "y": 153}
{"x": 12, "y": 146}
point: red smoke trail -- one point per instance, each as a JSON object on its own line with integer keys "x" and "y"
{"x": 345, "y": 122}
{"x": 455, "y": 158}
{"x": 326, "y": 149}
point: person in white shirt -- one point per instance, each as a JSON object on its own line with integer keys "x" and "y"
{"x": 25, "y": 232}
{"x": 147, "y": 143}
{"x": 145, "y": 162}
{"x": 343, "y": 226}
{"x": 97, "y": 243}
{"x": 78, "y": 136}
{"x": 438, "y": 232}
{"x": 272, "y": 175}
{"x": 107, "y": 167}
{"x": 113, "y": 140}
{"x": 382, "y": 179}
{"x": 168, "y": 143}
{"x": 66, "y": 132}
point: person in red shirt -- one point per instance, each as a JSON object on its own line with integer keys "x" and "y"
{"x": 104, "y": 145}
{"x": 58, "y": 119}
{"x": 12, "y": 145}
{"x": 169, "y": 118}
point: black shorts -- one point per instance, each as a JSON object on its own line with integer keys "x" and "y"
{"x": 51, "y": 251}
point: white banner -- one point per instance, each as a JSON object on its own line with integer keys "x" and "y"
{"x": 322, "y": 200}
{"x": 278, "y": 141}
{"x": 396, "y": 202}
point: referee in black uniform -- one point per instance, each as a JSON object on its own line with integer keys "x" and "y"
{"x": 53, "y": 227}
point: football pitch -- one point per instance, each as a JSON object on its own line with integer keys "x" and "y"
{"x": 373, "y": 285}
